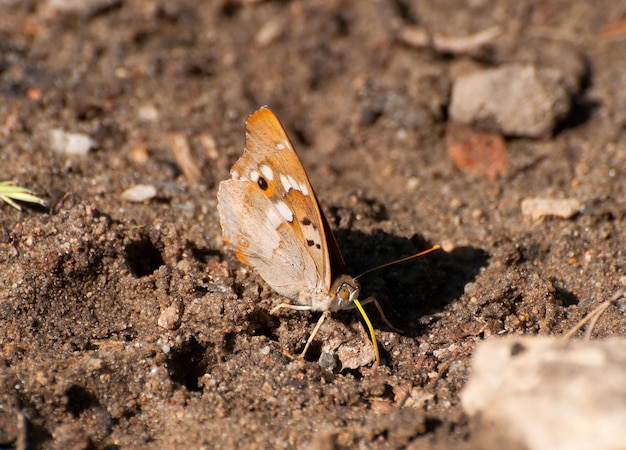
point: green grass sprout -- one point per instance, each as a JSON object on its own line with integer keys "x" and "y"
{"x": 10, "y": 192}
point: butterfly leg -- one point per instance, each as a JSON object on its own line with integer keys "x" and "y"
{"x": 303, "y": 308}
{"x": 382, "y": 314}
{"x": 323, "y": 317}
{"x": 289, "y": 306}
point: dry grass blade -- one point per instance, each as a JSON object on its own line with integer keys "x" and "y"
{"x": 593, "y": 317}
{"x": 10, "y": 192}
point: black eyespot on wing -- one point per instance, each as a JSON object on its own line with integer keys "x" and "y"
{"x": 310, "y": 242}
{"x": 306, "y": 221}
{"x": 317, "y": 246}
{"x": 262, "y": 183}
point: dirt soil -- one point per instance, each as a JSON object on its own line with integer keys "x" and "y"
{"x": 83, "y": 283}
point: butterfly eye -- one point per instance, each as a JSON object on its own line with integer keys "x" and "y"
{"x": 343, "y": 293}
{"x": 262, "y": 183}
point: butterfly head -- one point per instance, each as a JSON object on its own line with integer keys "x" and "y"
{"x": 346, "y": 290}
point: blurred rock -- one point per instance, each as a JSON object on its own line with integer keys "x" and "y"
{"x": 70, "y": 144}
{"x": 477, "y": 152}
{"x": 71, "y": 435}
{"x": 548, "y": 393}
{"x": 536, "y": 208}
{"x": 139, "y": 193}
{"x": 148, "y": 113}
{"x": 268, "y": 33}
{"x": 559, "y": 55}
{"x": 515, "y": 100}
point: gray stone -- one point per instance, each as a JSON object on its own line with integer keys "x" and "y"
{"x": 515, "y": 100}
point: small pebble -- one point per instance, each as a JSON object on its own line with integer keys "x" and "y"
{"x": 537, "y": 208}
{"x": 170, "y": 318}
{"x": 82, "y": 8}
{"x": 70, "y": 144}
{"x": 140, "y": 154}
{"x": 268, "y": 33}
{"x": 139, "y": 193}
{"x": 327, "y": 362}
{"x": 148, "y": 113}
{"x": 412, "y": 184}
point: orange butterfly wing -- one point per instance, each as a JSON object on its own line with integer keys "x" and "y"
{"x": 270, "y": 215}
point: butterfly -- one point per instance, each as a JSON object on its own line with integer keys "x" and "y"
{"x": 270, "y": 216}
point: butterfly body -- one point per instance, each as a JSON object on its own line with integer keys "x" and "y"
{"x": 271, "y": 218}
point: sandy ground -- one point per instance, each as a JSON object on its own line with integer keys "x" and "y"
{"x": 83, "y": 283}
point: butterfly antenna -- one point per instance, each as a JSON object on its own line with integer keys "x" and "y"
{"x": 398, "y": 261}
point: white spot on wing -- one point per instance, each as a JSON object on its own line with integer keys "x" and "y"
{"x": 289, "y": 183}
{"x": 284, "y": 210}
{"x": 280, "y": 146}
{"x": 254, "y": 175}
{"x": 234, "y": 174}
{"x": 274, "y": 218}
{"x": 267, "y": 172}
{"x": 285, "y": 182}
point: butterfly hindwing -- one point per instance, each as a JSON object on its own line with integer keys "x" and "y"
{"x": 253, "y": 226}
